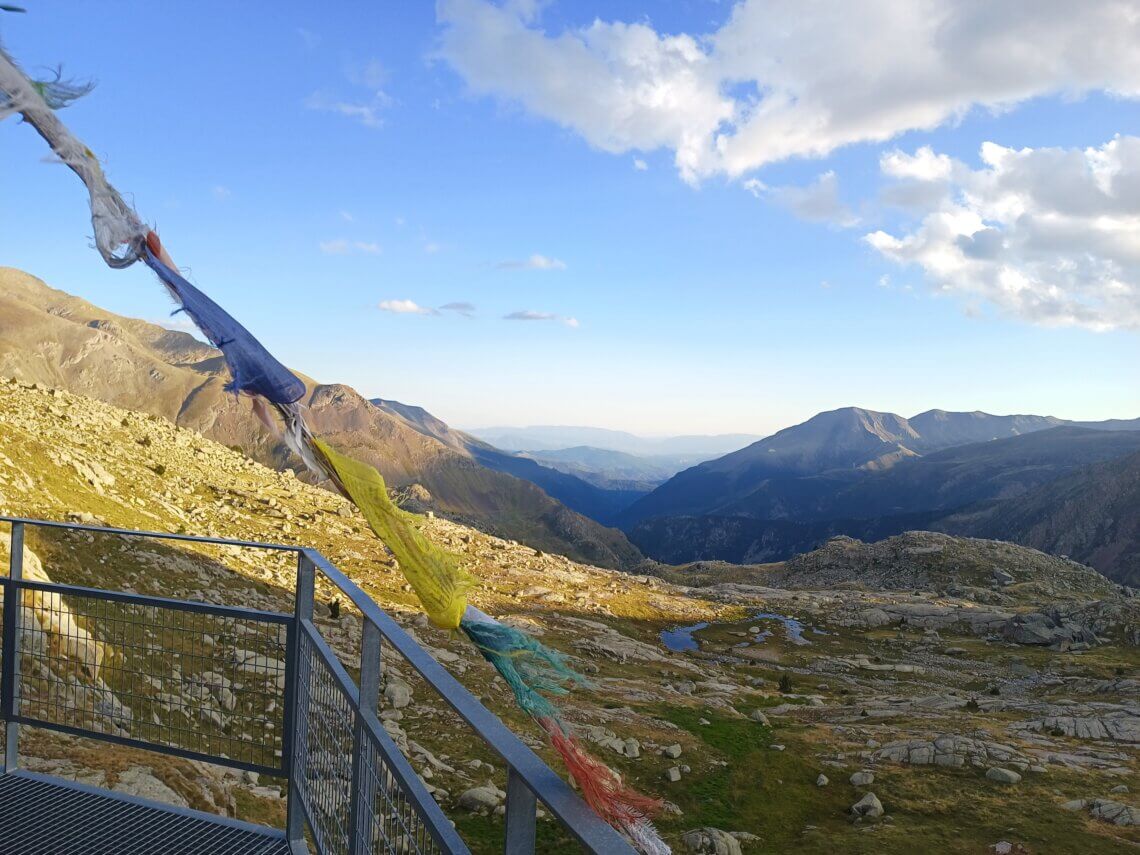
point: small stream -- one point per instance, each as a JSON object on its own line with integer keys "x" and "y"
{"x": 680, "y": 638}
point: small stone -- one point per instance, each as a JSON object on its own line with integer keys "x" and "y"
{"x": 821, "y": 781}
{"x": 862, "y": 779}
{"x": 759, "y": 717}
{"x": 672, "y": 751}
{"x": 1002, "y": 776}
{"x": 776, "y": 747}
{"x": 673, "y": 774}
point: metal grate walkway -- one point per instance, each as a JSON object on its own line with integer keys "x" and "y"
{"x": 41, "y": 817}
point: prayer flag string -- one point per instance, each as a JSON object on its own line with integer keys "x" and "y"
{"x": 534, "y": 673}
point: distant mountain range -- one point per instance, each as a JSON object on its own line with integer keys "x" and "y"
{"x": 870, "y": 475}
{"x": 615, "y": 470}
{"x": 558, "y": 437}
{"x": 600, "y": 502}
{"x": 51, "y": 337}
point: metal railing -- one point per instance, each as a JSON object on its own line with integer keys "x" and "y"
{"x": 260, "y": 691}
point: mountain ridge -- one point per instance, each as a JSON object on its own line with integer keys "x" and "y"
{"x": 63, "y": 341}
{"x": 844, "y": 439}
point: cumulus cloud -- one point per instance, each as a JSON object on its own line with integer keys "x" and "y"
{"x": 1047, "y": 235}
{"x": 535, "y": 262}
{"x": 640, "y": 165}
{"x": 784, "y": 79}
{"x": 343, "y": 246}
{"x": 923, "y": 165}
{"x": 406, "y": 307}
{"x": 817, "y": 202}
{"x": 530, "y": 315}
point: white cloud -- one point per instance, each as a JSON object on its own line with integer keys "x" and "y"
{"x": 367, "y": 109}
{"x": 783, "y": 79}
{"x": 817, "y": 202}
{"x": 530, "y": 315}
{"x": 923, "y": 165}
{"x": 220, "y": 192}
{"x": 368, "y": 113}
{"x": 640, "y": 165}
{"x": 460, "y": 308}
{"x": 343, "y": 246}
{"x": 535, "y": 262}
{"x": 406, "y": 307}
{"x": 1047, "y": 235}
{"x": 347, "y": 216}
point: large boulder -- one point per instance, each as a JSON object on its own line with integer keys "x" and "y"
{"x": 1002, "y": 776}
{"x": 1046, "y": 629}
{"x": 480, "y": 799}
{"x": 868, "y": 806}
{"x": 710, "y": 841}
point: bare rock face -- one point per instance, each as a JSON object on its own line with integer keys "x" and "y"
{"x": 608, "y": 642}
{"x": 949, "y": 750}
{"x": 1106, "y": 810}
{"x": 140, "y": 781}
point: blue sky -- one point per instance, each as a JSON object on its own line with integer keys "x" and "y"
{"x": 703, "y": 217}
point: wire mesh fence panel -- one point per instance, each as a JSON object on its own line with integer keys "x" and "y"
{"x": 390, "y": 823}
{"x": 323, "y": 746}
{"x": 198, "y": 681}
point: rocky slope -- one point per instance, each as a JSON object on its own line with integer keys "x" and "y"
{"x": 821, "y": 715}
{"x": 51, "y": 337}
{"x": 1092, "y": 515}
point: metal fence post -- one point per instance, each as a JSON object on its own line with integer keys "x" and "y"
{"x": 521, "y": 815}
{"x": 294, "y": 716}
{"x": 363, "y": 792}
{"x": 9, "y": 680}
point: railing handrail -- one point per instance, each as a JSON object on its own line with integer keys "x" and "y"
{"x": 130, "y": 532}
{"x": 261, "y": 615}
{"x": 540, "y": 779}
{"x": 526, "y": 770}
